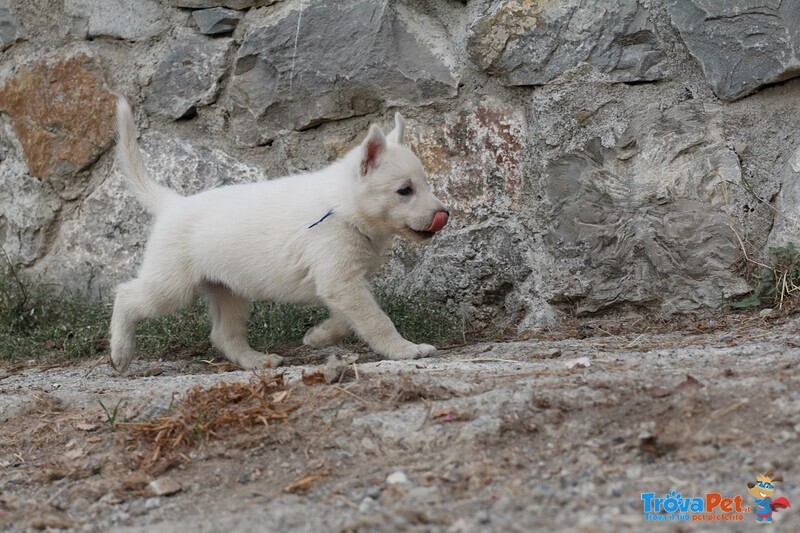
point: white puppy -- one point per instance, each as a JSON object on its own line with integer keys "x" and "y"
{"x": 313, "y": 239}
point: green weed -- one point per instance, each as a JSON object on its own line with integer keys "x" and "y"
{"x": 111, "y": 416}
{"x": 777, "y": 283}
{"x": 36, "y": 321}
{"x": 419, "y": 319}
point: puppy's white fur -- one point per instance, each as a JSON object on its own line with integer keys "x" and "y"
{"x": 259, "y": 242}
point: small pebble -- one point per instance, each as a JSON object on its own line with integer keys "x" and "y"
{"x": 633, "y": 472}
{"x": 424, "y": 495}
{"x": 397, "y": 478}
{"x": 163, "y": 486}
{"x": 552, "y": 354}
{"x": 79, "y": 504}
{"x": 368, "y": 445}
{"x": 374, "y": 491}
{"x": 580, "y": 362}
{"x": 111, "y": 499}
{"x": 366, "y": 505}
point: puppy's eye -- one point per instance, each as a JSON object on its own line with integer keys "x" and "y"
{"x": 405, "y": 191}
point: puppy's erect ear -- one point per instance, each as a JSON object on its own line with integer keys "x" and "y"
{"x": 372, "y": 150}
{"x": 396, "y": 135}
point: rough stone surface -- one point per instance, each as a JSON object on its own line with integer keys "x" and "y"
{"x": 328, "y": 61}
{"x": 26, "y": 211}
{"x": 474, "y": 158}
{"x": 644, "y": 219}
{"x": 232, "y": 4}
{"x": 528, "y": 42}
{"x": 476, "y": 269}
{"x": 61, "y": 111}
{"x": 10, "y": 30}
{"x": 121, "y": 19}
{"x": 216, "y": 20}
{"x": 741, "y": 46}
{"x": 110, "y": 230}
{"x": 474, "y": 164}
{"x": 188, "y": 76}
{"x": 787, "y": 219}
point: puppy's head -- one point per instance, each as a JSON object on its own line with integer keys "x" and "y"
{"x": 395, "y": 195}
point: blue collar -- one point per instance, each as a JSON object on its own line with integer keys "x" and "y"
{"x": 326, "y": 215}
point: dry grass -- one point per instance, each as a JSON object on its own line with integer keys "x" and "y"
{"x": 212, "y": 413}
{"x": 305, "y": 483}
{"x": 47, "y": 423}
{"x": 406, "y": 390}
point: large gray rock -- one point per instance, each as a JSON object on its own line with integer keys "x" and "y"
{"x": 62, "y": 114}
{"x": 190, "y": 168}
{"x": 531, "y": 43}
{"x": 232, "y": 4}
{"x": 741, "y": 45}
{"x": 216, "y": 20}
{"x": 26, "y": 211}
{"x": 474, "y": 157}
{"x": 188, "y": 76}
{"x": 102, "y": 245}
{"x": 478, "y": 269}
{"x": 787, "y": 221}
{"x": 483, "y": 263}
{"x": 644, "y": 222}
{"x": 122, "y": 19}
{"x": 10, "y": 29}
{"x": 331, "y": 60}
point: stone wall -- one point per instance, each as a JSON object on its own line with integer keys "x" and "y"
{"x": 597, "y": 155}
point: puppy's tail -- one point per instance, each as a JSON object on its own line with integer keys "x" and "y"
{"x": 154, "y": 197}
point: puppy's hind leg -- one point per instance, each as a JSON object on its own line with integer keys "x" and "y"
{"x": 229, "y": 314}
{"x": 136, "y": 300}
{"x": 329, "y": 332}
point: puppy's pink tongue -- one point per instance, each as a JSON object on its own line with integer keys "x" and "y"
{"x": 439, "y": 221}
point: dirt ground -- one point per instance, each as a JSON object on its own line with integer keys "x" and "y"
{"x": 563, "y": 430}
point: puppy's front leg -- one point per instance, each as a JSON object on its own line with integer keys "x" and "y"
{"x": 354, "y": 301}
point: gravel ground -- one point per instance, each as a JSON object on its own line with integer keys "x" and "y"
{"x": 513, "y": 436}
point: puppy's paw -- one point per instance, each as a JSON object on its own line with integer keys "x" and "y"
{"x": 274, "y": 360}
{"x": 320, "y": 336}
{"x": 121, "y": 363}
{"x": 256, "y": 360}
{"x": 413, "y": 351}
